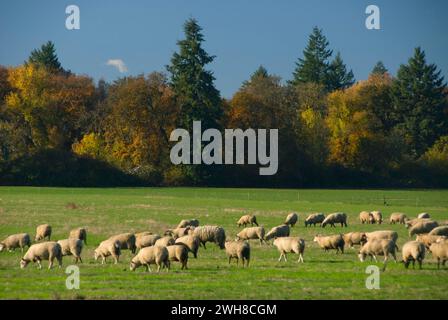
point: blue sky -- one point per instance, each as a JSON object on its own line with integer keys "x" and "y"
{"x": 242, "y": 34}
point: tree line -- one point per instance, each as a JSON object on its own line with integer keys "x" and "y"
{"x": 60, "y": 128}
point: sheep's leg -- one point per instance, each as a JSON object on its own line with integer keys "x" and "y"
{"x": 39, "y": 265}
{"x": 374, "y": 258}
{"x": 280, "y": 258}
{"x": 438, "y": 263}
{"x": 230, "y": 259}
{"x": 420, "y": 263}
{"x": 395, "y": 257}
{"x": 158, "y": 268}
{"x": 50, "y": 263}
{"x": 284, "y": 256}
{"x": 147, "y": 267}
{"x": 300, "y": 258}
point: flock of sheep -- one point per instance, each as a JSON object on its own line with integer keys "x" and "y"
{"x": 176, "y": 244}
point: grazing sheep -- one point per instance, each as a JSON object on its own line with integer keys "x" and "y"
{"x": 423, "y": 227}
{"x": 381, "y": 234}
{"x": 151, "y": 255}
{"x": 429, "y": 239}
{"x": 292, "y": 219}
{"x": 397, "y": 217}
{"x": 188, "y": 223}
{"x": 211, "y": 234}
{"x": 251, "y": 233}
{"x": 147, "y": 241}
{"x": 43, "y": 231}
{"x": 14, "y": 241}
{"x": 366, "y": 217}
{"x": 165, "y": 242}
{"x": 314, "y": 218}
{"x": 378, "y": 247}
{"x": 413, "y": 251}
{"x": 330, "y": 242}
{"x": 338, "y": 217}
{"x": 412, "y": 222}
{"x": 42, "y": 251}
{"x": 424, "y": 215}
{"x": 79, "y": 233}
{"x": 178, "y": 252}
{"x": 238, "y": 250}
{"x": 440, "y": 231}
{"x": 377, "y": 217}
{"x": 278, "y": 232}
{"x": 108, "y": 248}
{"x": 72, "y": 247}
{"x": 439, "y": 251}
{"x": 178, "y": 232}
{"x": 126, "y": 240}
{"x": 247, "y": 219}
{"x": 353, "y": 238}
{"x": 290, "y": 245}
{"x": 191, "y": 242}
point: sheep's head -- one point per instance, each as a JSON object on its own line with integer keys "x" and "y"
{"x": 316, "y": 238}
{"x": 23, "y": 263}
{"x": 132, "y": 266}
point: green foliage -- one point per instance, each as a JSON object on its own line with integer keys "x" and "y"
{"x": 338, "y": 76}
{"x": 379, "y": 69}
{"x": 419, "y": 103}
{"x": 46, "y": 57}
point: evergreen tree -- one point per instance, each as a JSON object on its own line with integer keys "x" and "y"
{"x": 46, "y": 57}
{"x": 338, "y": 76}
{"x": 260, "y": 73}
{"x": 314, "y": 66}
{"x": 419, "y": 102}
{"x": 192, "y": 83}
{"x": 379, "y": 69}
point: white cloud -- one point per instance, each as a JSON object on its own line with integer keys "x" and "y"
{"x": 119, "y": 64}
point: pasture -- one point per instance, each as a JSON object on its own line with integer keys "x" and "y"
{"x": 105, "y": 212}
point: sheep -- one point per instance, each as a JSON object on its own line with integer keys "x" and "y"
{"x": 252, "y": 233}
{"x": 380, "y": 234}
{"x": 412, "y": 222}
{"x": 439, "y": 251}
{"x": 413, "y": 251}
{"x": 178, "y": 252}
{"x": 330, "y": 242}
{"x": 126, "y": 240}
{"x": 188, "y": 223}
{"x": 291, "y": 219}
{"x": 14, "y": 241}
{"x": 73, "y": 247}
{"x": 79, "y": 233}
{"x": 378, "y": 247}
{"x": 147, "y": 241}
{"x": 428, "y": 239}
{"x": 165, "y": 242}
{"x": 178, "y": 232}
{"x": 290, "y": 245}
{"x": 423, "y": 227}
{"x": 314, "y": 218}
{"x": 42, "y": 251}
{"x": 338, "y": 217}
{"x": 238, "y": 250}
{"x": 366, "y": 217}
{"x": 397, "y": 217}
{"x": 211, "y": 234}
{"x": 424, "y": 215}
{"x": 353, "y": 238}
{"x": 191, "y": 242}
{"x": 108, "y": 248}
{"x": 440, "y": 231}
{"x": 142, "y": 234}
{"x": 278, "y": 232}
{"x": 247, "y": 219}
{"x": 43, "y": 231}
{"x": 151, "y": 255}
{"x": 377, "y": 217}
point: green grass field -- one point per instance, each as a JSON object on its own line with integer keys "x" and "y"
{"x": 105, "y": 212}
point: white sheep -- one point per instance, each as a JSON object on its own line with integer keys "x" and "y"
{"x": 238, "y": 250}
{"x": 165, "y": 241}
{"x": 290, "y": 245}
{"x": 423, "y": 227}
{"x": 191, "y": 242}
{"x": 381, "y": 247}
{"x": 366, "y": 217}
{"x": 178, "y": 232}
{"x": 439, "y": 251}
{"x": 292, "y": 219}
{"x": 251, "y": 233}
{"x": 332, "y": 219}
{"x": 335, "y": 242}
{"x": 381, "y": 234}
{"x": 126, "y": 240}
{"x": 440, "y": 231}
{"x": 424, "y": 215}
{"x": 151, "y": 255}
{"x": 147, "y": 241}
{"x": 72, "y": 246}
{"x": 247, "y": 219}
{"x": 179, "y": 253}
{"x": 188, "y": 223}
{"x": 43, "y": 251}
{"x": 354, "y": 238}
{"x": 413, "y": 251}
{"x": 314, "y": 218}
{"x": 210, "y": 234}
{"x": 277, "y": 232}
{"x": 429, "y": 239}
{"x": 377, "y": 217}
{"x": 397, "y": 217}
{"x": 14, "y": 241}
{"x": 79, "y": 233}
{"x": 108, "y": 248}
{"x": 42, "y": 232}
